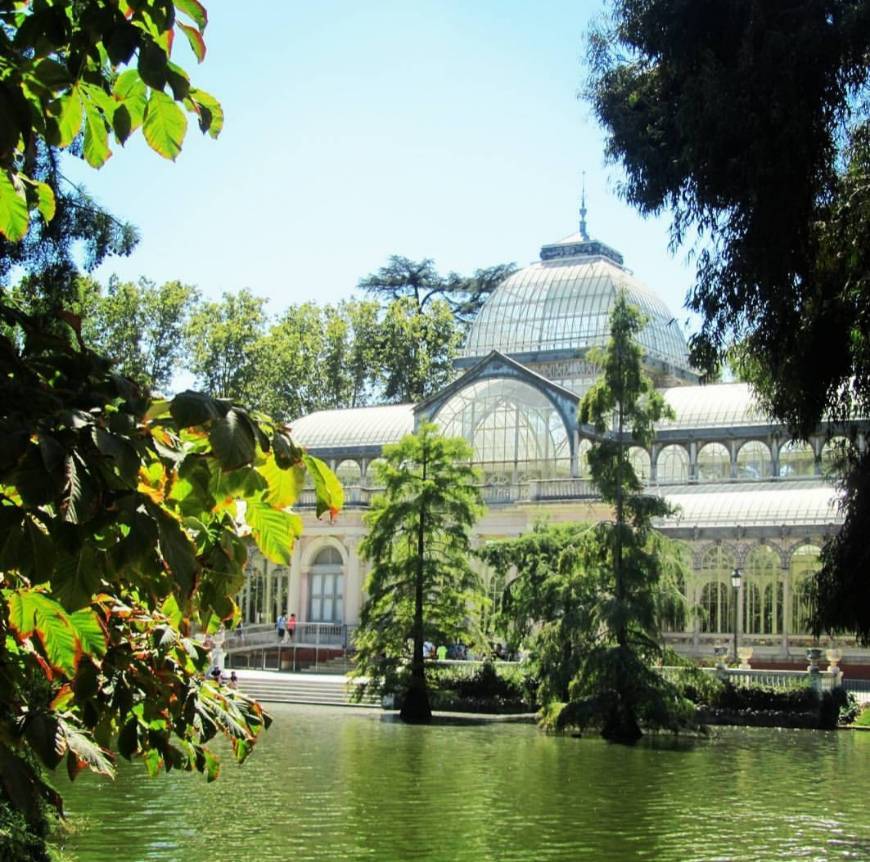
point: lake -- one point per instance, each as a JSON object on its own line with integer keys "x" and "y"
{"x": 336, "y": 784}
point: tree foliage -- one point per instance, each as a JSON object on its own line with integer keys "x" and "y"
{"x": 421, "y": 583}
{"x": 79, "y": 73}
{"x": 748, "y": 122}
{"x": 616, "y": 684}
{"x": 120, "y": 532}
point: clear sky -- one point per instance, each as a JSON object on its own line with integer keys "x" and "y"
{"x": 448, "y": 129}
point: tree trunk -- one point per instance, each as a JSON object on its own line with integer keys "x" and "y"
{"x": 415, "y": 704}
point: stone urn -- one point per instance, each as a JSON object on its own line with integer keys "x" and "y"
{"x": 744, "y": 653}
{"x": 834, "y": 657}
{"x": 814, "y": 654}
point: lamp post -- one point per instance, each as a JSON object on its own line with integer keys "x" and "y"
{"x": 736, "y": 580}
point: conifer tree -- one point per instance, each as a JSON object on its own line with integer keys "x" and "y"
{"x": 421, "y": 584}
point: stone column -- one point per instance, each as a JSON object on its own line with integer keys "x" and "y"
{"x": 786, "y": 609}
{"x": 352, "y": 581}
{"x": 294, "y": 599}
{"x": 267, "y": 600}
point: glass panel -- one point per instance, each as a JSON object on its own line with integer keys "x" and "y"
{"x": 672, "y": 465}
{"x": 804, "y": 562}
{"x": 348, "y": 473}
{"x": 753, "y": 460}
{"x": 327, "y": 609}
{"x": 316, "y": 615}
{"x": 834, "y": 457}
{"x": 796, "y": 460}
{"x": 514, "y": 430}
{"x": 714, "y": 463}
{"x": 717, "y": 599}
{"x": 640, "y": 461}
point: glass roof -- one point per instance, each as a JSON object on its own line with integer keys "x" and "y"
{"x": 360, "y": 426}
{"x": 719, "y": 405}
{"x": 565, "y": 305}
{"x": 758, "y": 504}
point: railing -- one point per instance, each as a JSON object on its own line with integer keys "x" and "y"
{"x": 305, "y": 635}
{"x": 821, "y": 680}
{"x": 493, "y": 493}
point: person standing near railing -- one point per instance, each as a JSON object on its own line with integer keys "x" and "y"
{"x": 291, "y": 626}
{"x": 281, "y": 626}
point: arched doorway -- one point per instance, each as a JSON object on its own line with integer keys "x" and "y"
{"x": 326, "y": 588}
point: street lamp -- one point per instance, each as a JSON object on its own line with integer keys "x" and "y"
{"x": 736, "y": 580}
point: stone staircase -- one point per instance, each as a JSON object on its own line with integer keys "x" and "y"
{"x": 301, "y": 688}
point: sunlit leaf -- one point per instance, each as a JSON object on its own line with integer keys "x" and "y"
{"x": 232, "y": 440}
{"x": 46, "y": 203}
{"x": 96, "y": 144}
{"x": 274, "y": 531}
{"x": 14, "y": 215}
{"x": 194, "y": 10}
{"x": 285, "y": 486}
{"x": 165, "y": 125}
{"x": 330, "y": 494}
{"x": 197, "y": 43}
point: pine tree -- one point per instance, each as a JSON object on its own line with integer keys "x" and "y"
{"x": 421, "y": 584}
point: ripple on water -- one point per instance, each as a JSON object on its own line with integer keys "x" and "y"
{"x": 335, "y": 784}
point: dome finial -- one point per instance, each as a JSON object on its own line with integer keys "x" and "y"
{"x": 583, "y": 232}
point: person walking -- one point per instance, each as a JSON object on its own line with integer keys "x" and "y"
{"x": 291, "y": 626}
{"x": 281, "y": 626}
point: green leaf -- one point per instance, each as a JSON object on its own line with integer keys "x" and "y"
{"x": 90, "y": 632}
{"x": 67, "y": 112}
{"x": 32, "y": 612}
{"x": 193, "y": 408}
{"x": 197, "y": 43}
{"x": 96, "y": 147}
{"x": 211, "y": 114}
{"x": 51, "y": 74}
{"x": 165, "y": 125}
{"x": 274, "y": 531}
{"x": 151, "y": 758}
{"x": 46, "y": 203}
{"x": 172, "y": 612}
{"x": 285, "y": 485}
{"x": 14, "y": 215}
{"x": 132, "y": 95}
{"x": 232, "y": 440}
{"x": 85, "y": 750}
{"x": 330, "y": 494}
{"x": 194, "y": 10}
{"x": 177, "y": 552}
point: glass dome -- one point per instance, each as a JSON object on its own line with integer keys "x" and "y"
{"x": 564, "y": 304}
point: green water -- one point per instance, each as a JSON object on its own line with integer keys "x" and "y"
{"x": 339, "y": 784}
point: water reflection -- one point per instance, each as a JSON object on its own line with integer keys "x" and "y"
{"x": 336, "y": 784}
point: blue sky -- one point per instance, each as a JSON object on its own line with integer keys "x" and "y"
{"x": 356, "y": 130}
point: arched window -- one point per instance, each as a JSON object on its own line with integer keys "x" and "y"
{"x": 834, "y": 457}
{"x": 672, "y": 465}
{"x": 639, "y": 459}
{"x": 372, "y": 480}
{"x": 804, "y": 563}
{"x": 513, "y": 428}
{"x": 753, "y": 460}
{"x": 348, "y": 473}
{"x": 796, "y": 459}
{"x": 714, "y": 463}
{"x": 326, "y": 588}
{"x": 717, "y": 599}
{"x": 762, "y": 592}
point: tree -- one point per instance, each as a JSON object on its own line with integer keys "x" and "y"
{"x": 62, "y": 87}
{"x": 120, "y": 512}
{"x": 747, "y": 121}
{"x": 141, "y": 327}
{"x": 419, "y": 281}
{"x": 546, "y": 598}
{"x": 119, "y": 517}
{"x": 417, "y": 349}
{"x": 615, "y": 684}
{"x": 421, "y": 582}
{"x": 226, "y": 341}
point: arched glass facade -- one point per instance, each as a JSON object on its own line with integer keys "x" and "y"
{"x": 515, "y": 431}
{"x": 326, "y": 588}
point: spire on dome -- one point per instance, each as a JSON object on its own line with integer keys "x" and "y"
{"x": 583, "y": 232}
